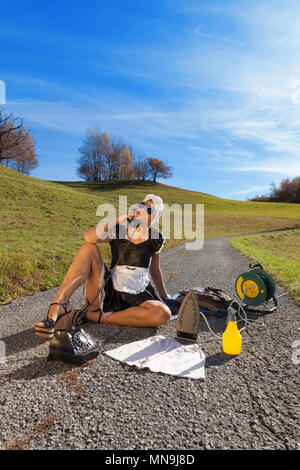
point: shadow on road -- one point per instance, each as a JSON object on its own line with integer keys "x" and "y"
{"x": 217, "y": 359}
{"x": 39, "y": 367}
{"x": 22, "y": 341}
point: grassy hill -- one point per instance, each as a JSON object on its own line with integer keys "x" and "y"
{"x": 223, "y": 217}
{"x": 42, "y": 223}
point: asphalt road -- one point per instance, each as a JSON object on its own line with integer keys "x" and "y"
{"x": 250, "y": 401}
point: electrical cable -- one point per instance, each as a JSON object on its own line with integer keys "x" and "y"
{"x": 281, "y": 295}
{"x": 245, "y": 319}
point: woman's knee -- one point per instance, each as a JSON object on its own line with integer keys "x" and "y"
{"x": 92, "y": 248}
{"x": 161, "y": 315}
{"x": 89, "y": 246}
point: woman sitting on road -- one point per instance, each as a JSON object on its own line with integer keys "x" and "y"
{"x": 128, "y": 297}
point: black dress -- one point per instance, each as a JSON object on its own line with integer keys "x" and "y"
{"x": 130, "y": 259}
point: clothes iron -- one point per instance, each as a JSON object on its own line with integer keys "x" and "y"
{"x": 188, "y": 319}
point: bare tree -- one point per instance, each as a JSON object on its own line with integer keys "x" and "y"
{"x": 24, "y": 159}
{"x": 141, "y": 169}
{"x": 126, "y": 172}
{"x": 119, "y": 159}
{"x": 288, "y": 191}
{"x": 93, "y": 156}
{"x": 17, "y": 146}
{"x": 159, "y": 169}
{"x": 114, "y": 157}
{"x": 104, "y": 156}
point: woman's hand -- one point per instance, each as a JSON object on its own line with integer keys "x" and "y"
{"x": 123, "y": 217}
{"x": 99, "y": 233}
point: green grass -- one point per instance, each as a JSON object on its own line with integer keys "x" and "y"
{"x": 279, "y": 255}
{"x": 43, "y": 223}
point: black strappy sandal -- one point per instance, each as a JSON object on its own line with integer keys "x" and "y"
{"x": 47, "y": 329}
{"x": 79, "y": 317}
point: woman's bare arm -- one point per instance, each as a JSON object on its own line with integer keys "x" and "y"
{"x": 99, "y": 233}
{"x": 157, "y": 276}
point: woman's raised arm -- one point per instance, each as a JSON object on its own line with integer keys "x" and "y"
{"x": 99, "y": 233}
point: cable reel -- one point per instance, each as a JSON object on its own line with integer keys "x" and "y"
{"x": 256, "y": 287}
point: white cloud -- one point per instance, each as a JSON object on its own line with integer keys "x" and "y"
{"x": 252, "y": 189}
{"x": 288, "y": 168}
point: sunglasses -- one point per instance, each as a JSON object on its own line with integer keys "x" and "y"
{"x": 143, "y": 205}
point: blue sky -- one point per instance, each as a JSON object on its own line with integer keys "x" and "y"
{"x": 211, "y": 87}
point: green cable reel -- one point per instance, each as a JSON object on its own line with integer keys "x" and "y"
{"x": 256, "y": 287}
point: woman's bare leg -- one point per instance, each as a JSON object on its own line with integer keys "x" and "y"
{"x": 150, "y": 313}
{"x": 87, "y": 265}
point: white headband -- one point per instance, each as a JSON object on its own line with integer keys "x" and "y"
{"x": 158, "y": 206}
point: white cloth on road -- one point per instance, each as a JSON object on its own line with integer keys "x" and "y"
{"x": 161, "y": 354}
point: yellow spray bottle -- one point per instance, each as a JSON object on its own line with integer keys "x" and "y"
{"x": 232, "y": 338}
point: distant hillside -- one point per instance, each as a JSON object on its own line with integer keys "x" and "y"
{"x": 42, "y": 223}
